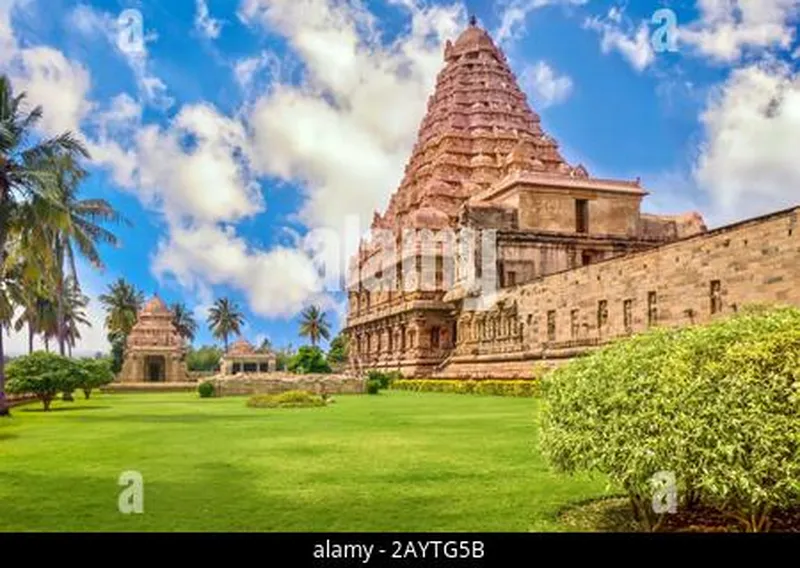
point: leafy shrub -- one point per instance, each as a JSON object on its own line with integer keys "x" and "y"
{"x": 379, "y": 380}
{"x": 42, "y": 374}
{"x": 289, "y": 399}
{"x": 717, "y": 405}
{"x": 206, "y": 389}
{"x": 517, "y": 388}
{"x": 92, "y": 374}
{"x": 309, "y": 359}
{"x": 337, "y": 353}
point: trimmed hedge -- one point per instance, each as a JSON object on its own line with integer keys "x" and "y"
{"x": 516, "y": 388}
{"x": 717, "y": 406}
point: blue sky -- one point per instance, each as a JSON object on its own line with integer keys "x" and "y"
{"x": 248, "y": 133}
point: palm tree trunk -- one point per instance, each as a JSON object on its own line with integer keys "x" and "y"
{"x": 4, "y": 409}
{"x": 60, "y": 295}
{"x": 225, "y": 340}
{"x": 47, "y": 344}
{"x": 30, "y": 337}
{"x": 4, "y": 190}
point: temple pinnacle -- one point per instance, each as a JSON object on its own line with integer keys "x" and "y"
{"x": 473, "y": 21}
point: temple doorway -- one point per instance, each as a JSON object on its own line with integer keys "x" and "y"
{"x": 154, "y": 368}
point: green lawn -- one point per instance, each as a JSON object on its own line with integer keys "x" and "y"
{"x": 399, "y": 461}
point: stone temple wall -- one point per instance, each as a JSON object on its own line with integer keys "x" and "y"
{"x": 683, "y": 283}
{"x": 273, "y": 383}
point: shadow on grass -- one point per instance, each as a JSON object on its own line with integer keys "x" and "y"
{"x": 175, "y": 418}
{"x": 607, "y": 514}
{"x": 64, "y": 408}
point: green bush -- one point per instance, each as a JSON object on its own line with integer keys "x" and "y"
{"x": 289, "y": 399}
{"x": 718, "y": 406}
{"x": 309, "y": 359}
{"x": 206, "y": 389}
{"x": 42, "y": 374}
{"x": 517, "y": 388}
{"x": 92, "y": 374}
{"x": 379, "y": 380}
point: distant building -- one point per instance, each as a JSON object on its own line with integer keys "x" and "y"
{"x": 242, "y": 357}
{"x": 154, "y": 352}
{"x": 495, "y": 253}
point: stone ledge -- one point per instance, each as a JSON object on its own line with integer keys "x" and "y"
{"x": 272, "y": 383}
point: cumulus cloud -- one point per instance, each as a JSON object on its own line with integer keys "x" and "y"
{"x": 544, "y": 85}
{"x": 204, "y": 23}
{"x": 332, "y": 131}
{"x": 725, "y": 31}
{"x": 748, "y": 162}
{"x": 618, "y": 34}
{"x": 513, "y": 14}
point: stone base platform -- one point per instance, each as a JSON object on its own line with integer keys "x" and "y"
{"x": 273, "y": 383}
{"x": 150, "y": 387}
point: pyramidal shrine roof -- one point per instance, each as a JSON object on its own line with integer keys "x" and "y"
{"x": 477, "y": 130}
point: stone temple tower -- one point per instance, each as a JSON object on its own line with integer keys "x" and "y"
{"x": 482, "y": 165}
{"x": 155, "y": 352}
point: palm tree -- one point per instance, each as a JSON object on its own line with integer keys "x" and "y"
{"x": 183, "y": 320}
{"x": 76, "y": 228}
{"x": 75, "y": 304}
{"x": 266, "y": 345}
{"x": 122, "y": 303}
{"x": 27, "y": 170}
{"x": 225, "y": 319}
{"x": 313, "y": 325}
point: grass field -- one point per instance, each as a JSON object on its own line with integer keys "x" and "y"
{"x": 399, "y": 461}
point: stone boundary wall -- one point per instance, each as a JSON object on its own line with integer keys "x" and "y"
{"x": 687, "y": 282}
{"x": 273, "y": 383}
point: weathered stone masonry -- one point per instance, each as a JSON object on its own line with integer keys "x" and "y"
{"x": 681, "y": 283}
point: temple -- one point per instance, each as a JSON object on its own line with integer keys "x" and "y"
{"x": 154, "y": 351}
{"x": 242, "y": 357}
{"x": 495, "y": 252}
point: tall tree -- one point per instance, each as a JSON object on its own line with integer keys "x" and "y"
{"x": 314, "y": 325}
{"x": 76, "y": 228}
{"x": 183, "y": 320}
{"x": 225, "y": 319}
{"x": 338, "y": 349}
{"x": 122, "y": 303}
{"x": 75, "y": 304}
{"x": 266, "y": 346}
{"x": 27, "y": 170}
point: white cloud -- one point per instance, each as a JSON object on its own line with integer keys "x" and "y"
{"x": 55, "y": 82}
{"x": 544, "y": 85}
{"x": 621, "y": 36}
{"x": 332, "y": 132}
{"x": 204, "y": 23}
{"x": 727, "y": 29}
{"x": 748, "y": 164}
{"x": 513, "y": 14}
{"x": 278, "y": 282}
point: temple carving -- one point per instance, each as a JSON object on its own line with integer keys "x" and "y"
{"x": 154, "y": 351}
{"x": 494, "y": 252}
